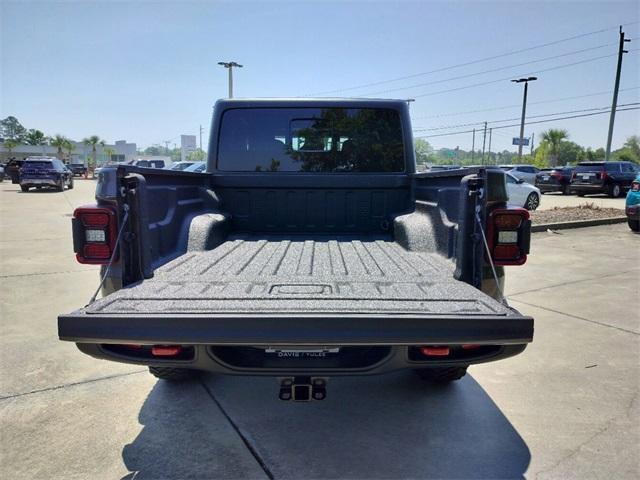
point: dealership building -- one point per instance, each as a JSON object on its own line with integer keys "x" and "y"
{"x": 120, "y": 151}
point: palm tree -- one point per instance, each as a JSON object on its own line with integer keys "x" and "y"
{"x": 59, "y": 142}
{"x": 93, "y": 141}
{"x": 69, "y": 146}
{"x": 554, "y": 137}
{"x": 9, "y": 145}
{"x": 109, "y": 152}
{"x": 36, "y": 138}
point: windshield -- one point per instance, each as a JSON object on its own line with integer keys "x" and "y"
{"x": 311, "y": 140}
{"x": 596, "y": 167}
{"x": 37, "y": 164}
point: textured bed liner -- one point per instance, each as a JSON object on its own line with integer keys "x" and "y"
{"x": 284, "y": 275}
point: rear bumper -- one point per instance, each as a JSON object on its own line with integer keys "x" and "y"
{"x": 250, "y": 361}
{"x": 587, "y": 188}
{"x": 549, "y": 187}
{"x": 633, "y": 212}
{"x": 350, "y": 329}
{"x": 34, "y": 182}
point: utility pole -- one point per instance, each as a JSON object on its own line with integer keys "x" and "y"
{"x": 489, "y": 155}
{"x": 166, "y": 146}
{"x": 532, "y": 134}
{"x": 484, "y": 141}
{"x": 473, "y": 145}
{"x": 524, "y": 109}
{"x": 229, "y": 66}
{"x": 200, "y": 137}
{"x": 614, "y": 104}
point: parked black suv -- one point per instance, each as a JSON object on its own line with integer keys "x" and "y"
{"x": 557, "y": 179}
{"x": 612, "y": 178}
{"x": 78, "y": 169}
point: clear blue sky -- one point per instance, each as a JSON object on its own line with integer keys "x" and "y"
{"x": 146, "y": 71}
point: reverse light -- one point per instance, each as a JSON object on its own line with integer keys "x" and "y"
{"x": 94, "y": 234}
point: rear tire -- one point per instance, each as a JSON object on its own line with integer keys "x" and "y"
{"x": 566, "y": 190}
{"x": 634, "y": 225}
{"x": 442, "y": 375}
{"x": 171, "y": 374}
{"x": 60, "y": 187}
{"x": 533, "y": 202}
{"x": 580, "y": 194}
{"x": 615, "y": 190}
{"x": 70, "y": 183}
{"x": 24, "y": 188}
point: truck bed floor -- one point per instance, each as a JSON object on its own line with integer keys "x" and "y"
{"x": 276, "y": 275}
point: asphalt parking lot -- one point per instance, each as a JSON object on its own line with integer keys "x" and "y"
{"x": 566, "y": 408}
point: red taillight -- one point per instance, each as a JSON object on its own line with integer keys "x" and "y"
{"x": 508, "y": 235}
{"x": 166, "y": 350}
{"x": 604, "y": 175}
{"x": 573, "y": 176}
{"x": 94, "y": 234}
{"x": 95, "y": 219}
{"x": 434, "y": 351}
{"x": 557, "y": 175}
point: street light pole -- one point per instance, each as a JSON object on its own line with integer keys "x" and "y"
{"x": 229, "y": 66}
{"x": 524, "y": 109}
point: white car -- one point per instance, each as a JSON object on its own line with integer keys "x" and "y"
{"x": 525, "y": 172}
{"x": 522, "y": 194}
{"x": 180, "y": 166}
{"x": 198, "y": 167}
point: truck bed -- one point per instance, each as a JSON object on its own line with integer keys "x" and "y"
{"x": 249, "y": 274}
{"x": 333, "y": 290}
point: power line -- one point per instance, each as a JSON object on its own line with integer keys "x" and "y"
{"x": 504, "y": 79}
{"x": 465, "y": 64}
{"x": 575, "y": 52}
{"x": 520, "y": 105}
{"x": 443, "y": 127}
{"x": 530, "y": 123}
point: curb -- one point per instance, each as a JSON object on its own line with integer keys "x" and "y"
{"x": 577, "y": 224}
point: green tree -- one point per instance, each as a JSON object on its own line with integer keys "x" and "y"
{"x": 10, "y": 128}
{"x": 35, "y": 137}
{"x": 554, "y": 137}
{"x": 570, "y": 153}
{"x": 197, "y": 155}
{"x": 93, "y": 141}
{"x": 9, "y": 145}
{"x": 153, "y": 150}
{"x": 630, "y": 151}
{"x": 633, "y": 144}
{"x": 424, "y": 151}
{"x": 59, "y": 142}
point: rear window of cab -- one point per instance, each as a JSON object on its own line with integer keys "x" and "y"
{"x": 313, "y": 140}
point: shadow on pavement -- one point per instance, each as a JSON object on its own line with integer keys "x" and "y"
{"x": 184, "y": 435}
{"x": 390, "y": 426}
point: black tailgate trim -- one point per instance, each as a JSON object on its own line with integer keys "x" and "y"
{"x": 326, "y": 329}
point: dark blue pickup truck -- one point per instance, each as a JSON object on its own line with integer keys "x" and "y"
{"x": 47, "y": 172}
{"x": 310, "y": 248}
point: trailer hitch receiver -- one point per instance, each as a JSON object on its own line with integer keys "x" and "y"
{"x": 303, "y": 389}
